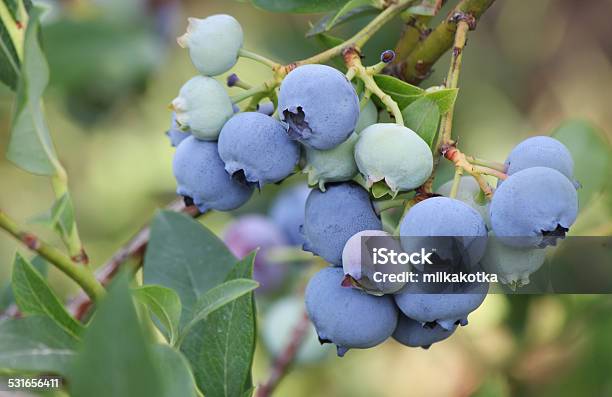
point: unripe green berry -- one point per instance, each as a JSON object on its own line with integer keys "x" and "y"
{"x": 368, "y": 115}
{"x": 203, "y": 106}
{"x": 334, "y": 165}
{"x": 395, "y": 154}
{"x": 213, "y": 43}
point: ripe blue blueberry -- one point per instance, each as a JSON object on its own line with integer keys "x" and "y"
{"x": 469, "y": 192}
{"x": 201, "y": 176}
{"x": 534, "y": 207}
{"x": 414, "y": 334}
{"x": 287, "y": 211}
{"x": 333, "y": 216}
{"x": 213, "y": 43}
{"x": 257, "y": 145}
{"x": 447, "y": 307}
{"x": 443, "y": 222}
{"x": 279, "y": 324}
{"x": 347, "y": 317}
{"x": 358, "y": 263}
{"x": 541, "y": 151}
{"x": 319, "y": 105}
{"x": 175, "y": 134}
{"x": 333, "y": 165}
{"x": 203, "y": 106}
{"x": 251, "y": 232}
{"x": 395, "y": 154}
{"x": 511, "y": 264}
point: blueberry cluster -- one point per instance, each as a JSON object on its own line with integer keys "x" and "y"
{"x": 317, "y": 122}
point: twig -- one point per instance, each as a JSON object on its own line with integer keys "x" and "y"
{"x": 416, "y": 67}
{"x": 80, "y": 274}
{"x": 133, "y": 249}
{"x": 285, "y": 359}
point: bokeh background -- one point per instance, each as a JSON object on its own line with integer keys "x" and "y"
{"x": 528, "y": 69}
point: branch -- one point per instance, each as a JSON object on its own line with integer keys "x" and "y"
{"x": 80, "y": 274}
{"x": 133, "y": 249}
{"x": 416, "y": 67}
{"x": 285, "y": 359}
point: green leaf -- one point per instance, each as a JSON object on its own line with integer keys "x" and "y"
{"x": 353, "y": 9}
{"x": 165, "y": 305}
{"x": 30, "y": 146}
{"x": 178, "y": 377}
{"x": 401, "y": 92}
{"x": 219, "y": 296}
{"x": 425, "y": 7}
{"x": 185, "y": 256}
{"x": 7, "y": 297}
{"x": 9, "y": 62}
{"x": 33, "y": 296}
{"x": 221, "y": 348}
{"x": 423, "y": 117}
{"x": 115, "y": 359}
{"x": 60, "y": 217}
{"x": 299, "y": 6}
{"x": 592, "y": 157}
{"x": 380, "y": 189}
{"x": 35, "y": 344}
{"x": 444, "y": 98}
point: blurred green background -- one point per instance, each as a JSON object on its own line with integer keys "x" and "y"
{"x": 528, "y": 68}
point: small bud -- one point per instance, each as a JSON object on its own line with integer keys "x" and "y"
{"x": 387, "y": 56}
{"x": 232, "y": 80}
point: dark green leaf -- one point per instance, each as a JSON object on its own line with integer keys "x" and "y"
{"x": 185, "y": 256}
{"x": 299, "y": 6}
{"x": 178, "y": 377}
{"x": 425, "y": 7}
{"x": 219, "y": 296}
{"x": 35, "y": 344}
{"x": 423, "y": 117}
{"x": 30, "y": 146}
{"x": 116, "y": 359}
{"x": 350, "y": 11}
{"x": 33, "y": 296}
{"x": 165, "y": 305}
{"x": 328, "y": 41}
{"x": 592, "y": 157}
{"x": 221, "y": 348}
{"x": 444, "y": 98}
{"x": 6, "y": 296}
{"x": 401, "y": 92}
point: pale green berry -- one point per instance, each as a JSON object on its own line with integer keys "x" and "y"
{"x": 334, "y": 165}
{"x": 469, "y": 192}
{"x": 395, "y": 154}
{"x": 511, "y": 264}
{"x": 203, "y": 106}
{"x": 213, "y": 43}
{"x": 368, "y": 115}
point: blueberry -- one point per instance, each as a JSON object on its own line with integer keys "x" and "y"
{"x": 213, "y": 43}
{"x": 251, "y": 232}
{"x": 447, "y": 307}
{"x": 333, "y": 165}
{"x": 279, "y": 323}
{"x": 333, "y": 216}
{"x": 469, "y": 193}
{"x": 347, "y": 317}
{"x": 511, "y": 264}
{"x": 442, "y": 223}
{"x": 541, "y": 151}
{"x": 367, "y": 116}
{"x": 257, "y": 145}
{"x": 319, "y": 105}
{"x": 175, "y": 134}
{"x": 201, "y": 176}
{"x": 266, "y": 108}
{"x": 357, "y": 262}
{"x": 395, "y": 154}
{"x": 203, "y": 106}
{"x": 287, "y": 211}
{"x": 414, "y": 334}
{"x": 534, "y": 207}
